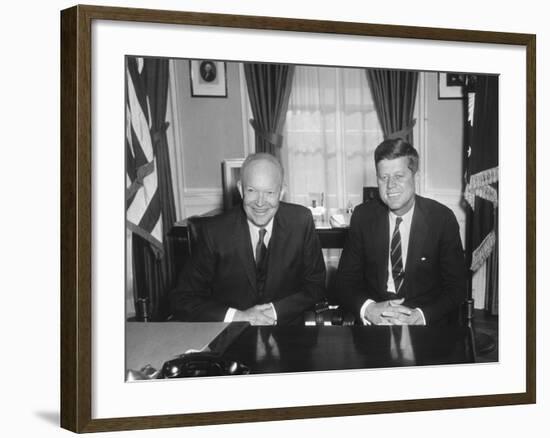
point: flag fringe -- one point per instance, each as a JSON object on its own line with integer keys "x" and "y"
{"x": 483, "y": 251}
{"x": 480, "y": 186}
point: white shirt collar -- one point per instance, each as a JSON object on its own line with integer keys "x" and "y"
{"x": 407, "y": 217}
{"x": 268, "y": 227}
{"x": 254, "y": 231}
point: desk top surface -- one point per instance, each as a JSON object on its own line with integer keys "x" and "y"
{"x": 153, "y": 343}
{"x": 295, "y": 349}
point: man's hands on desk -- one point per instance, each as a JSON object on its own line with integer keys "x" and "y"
{"x": 392, "y": 312}
{"x": 261, "y": 314}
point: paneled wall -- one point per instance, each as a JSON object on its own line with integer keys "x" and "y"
{"x": 439, "y": 136}
{"x": 209, "y": 130}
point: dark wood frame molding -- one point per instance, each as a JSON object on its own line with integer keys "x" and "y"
{"x": 76, "y": 222}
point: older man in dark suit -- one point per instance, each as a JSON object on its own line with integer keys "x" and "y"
{"x": 259, "y": 262}
{"x": 403, "y": 262}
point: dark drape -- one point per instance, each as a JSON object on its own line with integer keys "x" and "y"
{"x": 491, "y": 285}
{"x": 147, "y": 279}
{"x": 269, "y": 88}
{"x": 153, "y": 272}
{"x": 394, "y": 96}
{"x": 481, "y": 191}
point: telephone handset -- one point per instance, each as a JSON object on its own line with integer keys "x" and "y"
{"x": 200, "y": 364}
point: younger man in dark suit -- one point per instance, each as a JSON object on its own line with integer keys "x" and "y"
{"x": 403, "y": 262}
{"x": 259, "y": 262}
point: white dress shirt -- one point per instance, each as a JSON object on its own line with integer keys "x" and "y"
{"x": 254, "y": 236}
{"x": 405, "y": 231}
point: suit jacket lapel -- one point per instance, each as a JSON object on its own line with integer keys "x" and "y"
{"x": 276, "y": 252}
{"x": 381, "y": 246}
{"x": 418, "y": 233}
{"x": 243, "y": 245}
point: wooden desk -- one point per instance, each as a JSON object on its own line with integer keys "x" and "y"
{"x": 294, "y": 349}
{"x": 153, "y": 343}
{"x": 299, "y": 348}
{"x": 329, "y": 238}
{"x": 332, "y": 237}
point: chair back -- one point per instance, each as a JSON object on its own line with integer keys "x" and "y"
{"x": 194, "y": 226}
{"x": 370, "y": 194}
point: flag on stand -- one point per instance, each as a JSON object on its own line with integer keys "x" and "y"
{"x": 481, "y": 192}
{"x": 143, "y": 207}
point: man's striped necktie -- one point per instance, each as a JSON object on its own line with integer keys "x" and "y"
{"x": 396, "y": 257}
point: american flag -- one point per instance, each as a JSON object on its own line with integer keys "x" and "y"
{"x": 143, "y": 209}
{"x": 482, "y": 172}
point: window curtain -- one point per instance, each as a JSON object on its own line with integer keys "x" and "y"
{"x": 394, "y": 94}
{"x": 481, "y": 185}
{"x": 331, "y": 132}
{"x": 268, "y": 88}
{"x": 153, "y": 265}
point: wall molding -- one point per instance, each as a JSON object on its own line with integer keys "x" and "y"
{"x": 200, "y": 200}
{"x": 420, "y": 130}
{"x": 451, "y": 199}
{"x": 246, "y": 111}
{"x": 177, "y": 149}
{"x": 448, "y": 197}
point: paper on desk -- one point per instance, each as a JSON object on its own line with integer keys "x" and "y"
{"x": 154, "y": 343}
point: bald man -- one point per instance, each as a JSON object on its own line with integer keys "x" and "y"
{"x": 260, "y": 262}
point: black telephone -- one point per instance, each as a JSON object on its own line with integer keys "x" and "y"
{"x": 201, "y": 364}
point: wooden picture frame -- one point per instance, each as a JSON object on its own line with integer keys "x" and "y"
{"x": 447, "y": 89}
{"x": 78, "y": 217}
{"x": 208, "y": 78}
{"x": 231, "y": 172}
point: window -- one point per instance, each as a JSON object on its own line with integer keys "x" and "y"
{"x": 332, "y": 130}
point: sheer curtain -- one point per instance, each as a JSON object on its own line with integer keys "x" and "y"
{"x": 331, "y": 132}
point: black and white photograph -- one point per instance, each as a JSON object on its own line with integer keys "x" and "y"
{"x": 344, "y": 227}
{"x": 319, "y": 218}
{"x": 275, "y": 219}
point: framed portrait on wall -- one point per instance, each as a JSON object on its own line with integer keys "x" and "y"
{"x": 208, "y": 78}
{"x": 231, "y": 173}
{"x": 451, "y": 85}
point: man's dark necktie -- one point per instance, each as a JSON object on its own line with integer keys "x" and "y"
{"x": 396, "y": 257}
{"x": 261, "y": 249}
{"x": 261, "y": 262}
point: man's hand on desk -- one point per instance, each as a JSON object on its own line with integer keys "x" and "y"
{"x": 262, "y": 314}
{"x": 387, "y": 312}
{"x": 399, "y": 318}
